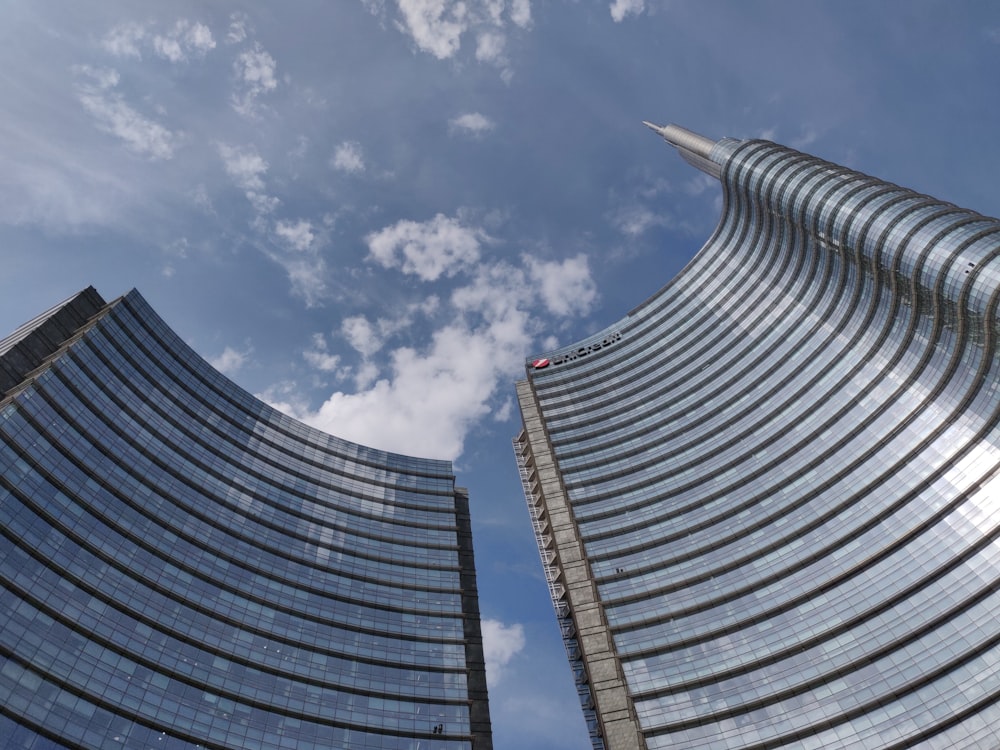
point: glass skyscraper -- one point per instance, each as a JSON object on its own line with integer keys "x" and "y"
{"x": 184, "y": 567}
{"x": 768, "y": 499}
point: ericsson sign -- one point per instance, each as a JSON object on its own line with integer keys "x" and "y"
{"x": 583, "y": 351}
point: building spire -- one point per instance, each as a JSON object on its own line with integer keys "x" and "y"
{"x": 696, "y": 149}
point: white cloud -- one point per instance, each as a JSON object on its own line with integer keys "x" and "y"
{"x": 490, "y": 47}
{"x": 435, "y": 25}
{"x": 520, "y": 13}
{"x": 244, "y": 165}
{"x": 365, "y": 374}
{"x": 622, "y": 8}
{"x": 231, "y": 360}
{"x": 113, "y": 115}
{"x": 348, "y": 157}
{"x": 428, "y": 249}
{"x": 471, "y": 123}
{"x": 255, "y": 75}
{"x": 318, "y": 355}
{"x": 501, "y": 643}
{"x": 184, "y": 40}
{"x": 363, "y": 338}
{"x": 449, "y": 383}
{"x": 566, "y": 287}
{"x": 297, "y": 235}
{"x": 492, "y": 11}
{"x": 424, "y": 398}
{"x": 367, "y": 338}
{"x": 361, "y": 335}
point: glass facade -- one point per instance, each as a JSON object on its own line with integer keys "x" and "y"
{"x": 182, "y": 566}
{"x": 768, "y": 499}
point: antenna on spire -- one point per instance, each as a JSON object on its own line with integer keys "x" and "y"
{"x": 655, "y": 128}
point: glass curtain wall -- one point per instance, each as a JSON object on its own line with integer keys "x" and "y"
{"x": 183, "y": 566}
{"x": 780, "y": 474}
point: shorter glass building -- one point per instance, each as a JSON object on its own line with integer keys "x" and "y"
{"x": 182, "y": 566}
{"x": 768, "y": 499}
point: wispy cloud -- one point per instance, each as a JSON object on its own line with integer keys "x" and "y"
{"x": 231, "y": 360}
{"x": 805, "y": 139}
{"x": 124, "y": 39}
{"x": 294, "y": 244}
{"x": 174, "y": 251}
{"x": 635, "y": 220}
{"x": 238, "y": 28}
{"x": 96, "y": 91}
{"x": 307, "y": 274}
{"x": 644, "y": 202}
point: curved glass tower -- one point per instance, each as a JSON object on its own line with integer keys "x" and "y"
{"x": 182, "y": 566}
{"x": 768, "y": 499}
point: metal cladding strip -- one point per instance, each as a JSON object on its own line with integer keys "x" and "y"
{"x": 782, "y": 472}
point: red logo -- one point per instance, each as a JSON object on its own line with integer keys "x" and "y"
{"x": 538, "y": 364}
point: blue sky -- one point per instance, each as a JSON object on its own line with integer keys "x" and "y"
{"x": 369, "y": 212}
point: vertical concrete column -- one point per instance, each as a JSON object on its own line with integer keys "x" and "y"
{"x": 619, "y": 725}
